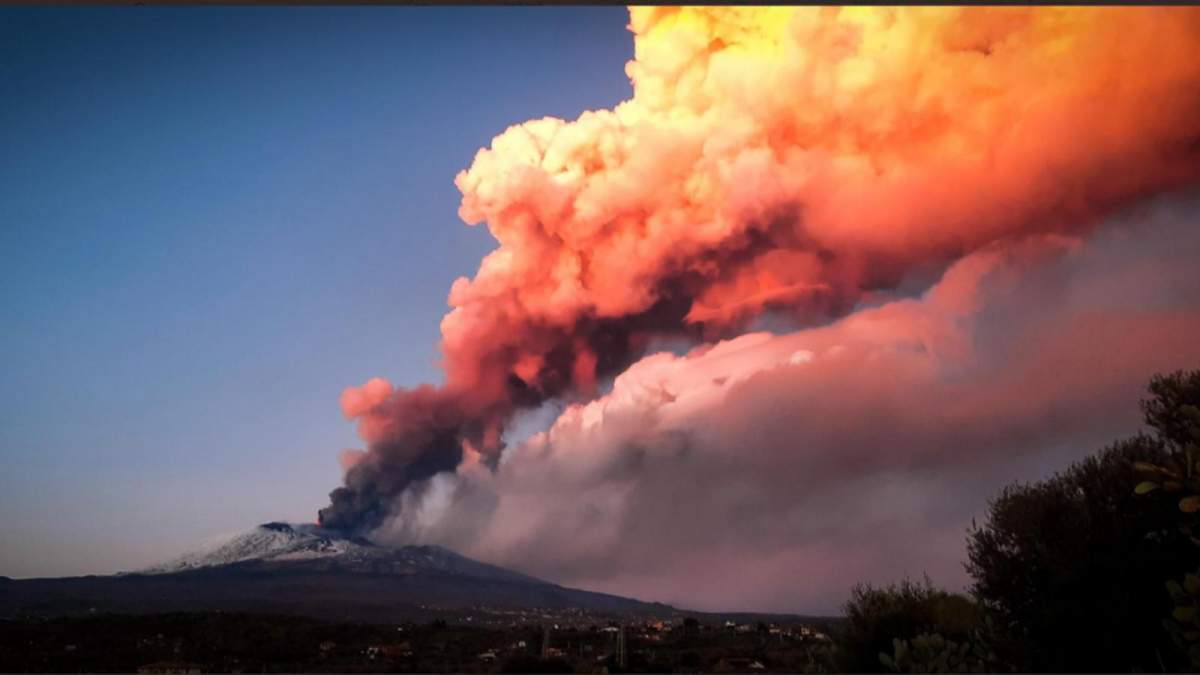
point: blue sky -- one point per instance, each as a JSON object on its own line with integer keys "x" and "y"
{"x": 214, "y": 219}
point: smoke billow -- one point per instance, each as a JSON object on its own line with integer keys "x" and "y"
{"x": 783, "y": 160}
{"x": 773, "y": 472}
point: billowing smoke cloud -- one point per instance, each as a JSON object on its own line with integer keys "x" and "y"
{"x": 795, "y": 161}
{"x": 775, "y": 471}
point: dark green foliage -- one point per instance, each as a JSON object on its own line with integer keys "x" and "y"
{"x": 1073, "y": 567}
{"x": 876, "y": 616}
{"x": 1069, "y": 570}
{"x": 816, "y": 658}
{"x": 933, "y": 653}
{"x": 1174, "y": 413}
{"x": 1171, "y": 408}
{"x": 1184, "y": 622}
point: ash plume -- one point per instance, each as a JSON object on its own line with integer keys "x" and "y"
{"x": 790, "y": 160}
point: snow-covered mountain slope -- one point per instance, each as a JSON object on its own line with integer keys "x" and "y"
{"x": 286, "y": 545}
{"x": 271, "y": 541}
{"x": 303, "y": 569}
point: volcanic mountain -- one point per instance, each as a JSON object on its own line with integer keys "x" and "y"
{"x": 306, "y": 570}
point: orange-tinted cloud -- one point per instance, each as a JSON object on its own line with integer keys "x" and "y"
{"x": 773, "y": 472}
{"x": 786, "y": 160}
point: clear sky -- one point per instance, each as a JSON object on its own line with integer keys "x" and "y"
{"x": 214, "y": 219}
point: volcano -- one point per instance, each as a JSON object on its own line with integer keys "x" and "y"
{"x": 282, "y": 568}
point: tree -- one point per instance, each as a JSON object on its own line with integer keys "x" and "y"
{"x": 1073, "y": 567}
{"x": 1172, "y": 407}
{"x": 932, "y": 653}
{"x": 1174, "y": 412}
{"x": 877, "y": 616}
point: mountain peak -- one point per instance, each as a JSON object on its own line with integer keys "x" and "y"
{"x": 261, "y": 569}
{"x": 274, "y": 541}
{"x": 302, "y": 544}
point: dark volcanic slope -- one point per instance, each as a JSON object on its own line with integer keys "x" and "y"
{"x": 278, "y": 568}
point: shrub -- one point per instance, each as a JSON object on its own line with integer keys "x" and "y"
{"x": 876, "y": 616}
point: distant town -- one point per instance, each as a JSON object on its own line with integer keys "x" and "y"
{"x": 486, "y": 640}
